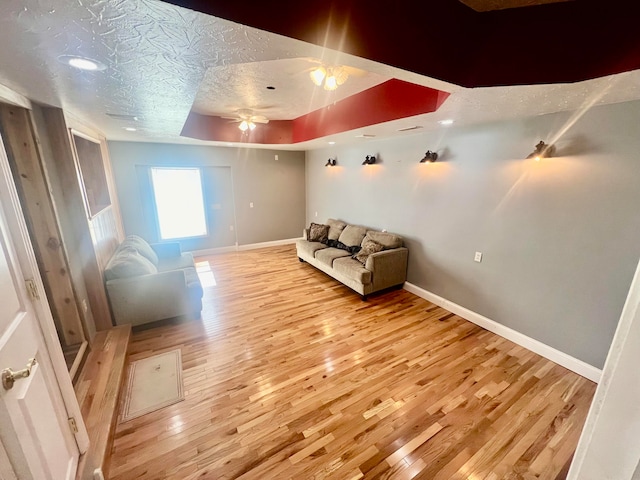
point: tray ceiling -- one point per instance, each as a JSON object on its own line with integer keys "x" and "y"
{"x": 163, "y": 60}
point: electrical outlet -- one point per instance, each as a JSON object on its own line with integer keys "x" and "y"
{"x": 231, "y": 228}
{"x": 250, "y": 204}
{"x": 316, "y": 214}
{"x": 478, "y": 257}
{"x": 277, "y": 157}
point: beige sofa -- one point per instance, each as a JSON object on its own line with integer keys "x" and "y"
{"x": 148, "y": 282}
{"x": 342, "y": 255}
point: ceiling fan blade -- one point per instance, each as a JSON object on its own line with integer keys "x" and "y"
{"x": 353, "y": 71}
{"x": 259, "y": 119}
{"x": 235, "y": 119}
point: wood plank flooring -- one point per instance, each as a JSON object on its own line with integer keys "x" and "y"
{"x": 290, "y": 375}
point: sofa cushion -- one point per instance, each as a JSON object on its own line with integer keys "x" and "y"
{"x": 318, "y": 233}
{"x": 353, "y": 269}
{"x": 141, "y": 245}
{"x": 352, "y": 235}
{"x": 328, "y": 255}
{"x": 368, "y": 247}
{"x": 184, "y": 260}
{"x": 128, "y": 262}
{"x": 387, "y": 240}
{"x": 309, "y": 248}
{"x": 335, "y": 228}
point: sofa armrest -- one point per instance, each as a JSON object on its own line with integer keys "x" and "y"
{"x": 168, "y": 249}
{"x": 305, "y": 234}
{"x": 388, "y": 267}
{"x": 150, "y": 297}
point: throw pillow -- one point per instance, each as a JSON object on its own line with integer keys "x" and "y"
{"x": 387, "y": 240}
{"x": 318, "y": 233}
{"x": 368, "y": 247}
{"x": 338, "y": 244}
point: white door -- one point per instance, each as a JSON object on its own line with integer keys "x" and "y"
{"x": 35, "y": 436}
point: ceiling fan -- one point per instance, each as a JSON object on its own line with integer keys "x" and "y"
{"x": 331, "y": 76}
{"x": 247, "y": 120}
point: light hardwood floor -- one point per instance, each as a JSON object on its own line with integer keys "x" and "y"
{"x": 290, "y": 375}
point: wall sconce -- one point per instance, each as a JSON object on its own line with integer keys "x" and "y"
{"x": 331, "y": 162}
{"x": 429, "y": 157}
{"x": 369, "y": 160}
{"x": 542, "y": 150}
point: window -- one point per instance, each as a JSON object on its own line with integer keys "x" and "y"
{"x": 179, "y": 202}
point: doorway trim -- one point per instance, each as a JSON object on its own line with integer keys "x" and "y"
{"x": 26, "y": 257}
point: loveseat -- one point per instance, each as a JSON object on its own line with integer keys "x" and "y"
{"x": 148, "y": 282}
{"x": 364, "y": 260}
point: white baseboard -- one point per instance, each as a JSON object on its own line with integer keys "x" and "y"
{"x": 561, "y": 358}
{"x": 275, "y": 243}
{"x": 214, "y": 251}
{"x": 239, "y": 248}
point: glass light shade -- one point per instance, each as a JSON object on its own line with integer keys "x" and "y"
{"x": 252, "y": 125}
{"x": 330, "y": 83}
{"x": 243, "y": 126}
{"x": 318, "y": 75}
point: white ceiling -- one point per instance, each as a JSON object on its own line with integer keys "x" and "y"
{"x": 162, "y": 60}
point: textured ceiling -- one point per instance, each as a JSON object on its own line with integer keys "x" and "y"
{"x": 162, "y": 58}
{"x": 229, "y": 88}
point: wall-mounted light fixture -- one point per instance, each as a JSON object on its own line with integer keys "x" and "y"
{"x": 331, "y": 162}
{"x": 429, "y": 157}
{"x": 542, "y": 150}
{"x": 369, "y": 160}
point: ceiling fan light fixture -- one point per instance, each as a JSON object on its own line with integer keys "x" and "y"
{"x": 331, "y": 83}
{"x": 252, "y": 126}
{"x": 341, "y": 75}
{"x": 317, "y": 75}
{"x": 244, "y": 125}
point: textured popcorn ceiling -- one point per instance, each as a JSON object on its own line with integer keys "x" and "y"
{"x": 229, "y": 88}
{"x": 161, "y": 59}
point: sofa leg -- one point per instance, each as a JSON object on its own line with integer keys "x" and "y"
{"x": 301, "y": 260}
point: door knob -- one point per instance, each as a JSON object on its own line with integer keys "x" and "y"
{"x": 9, "y": 377}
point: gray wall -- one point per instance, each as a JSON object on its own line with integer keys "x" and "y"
{"x": 560, "y": 237}
{"x": 233, "y": 178}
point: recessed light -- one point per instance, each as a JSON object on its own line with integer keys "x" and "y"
{"x": 332, "y": 143}
{"x": 82, "y": 63}
{"x": 446, "y": 122}
{"x": 271, "y": 88}
{"x": 130, "y": 129}
{"x": 122, "y": 116}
